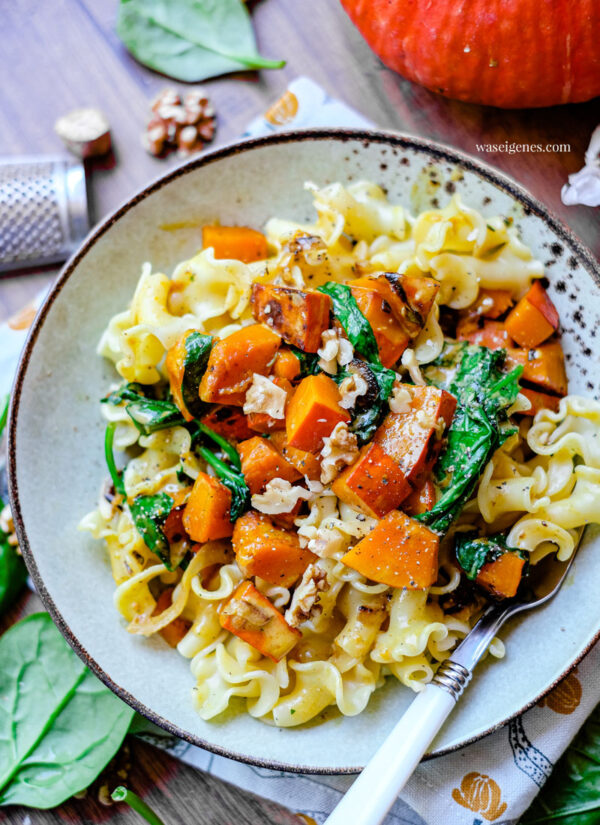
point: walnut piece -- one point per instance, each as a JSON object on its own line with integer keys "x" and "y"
{"x": 263, "y": 396}
{"x": 339, "y": 449}
{"x": 185, "y": 125}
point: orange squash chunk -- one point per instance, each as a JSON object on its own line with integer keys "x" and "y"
{"x": 502, "y": 576}
{"x": 234, "y": 360}
{"x": 399, "y": 552}
{"x": 313, "y": 413}
{"x": 261, "y": 463}
{"x": 173, "y": 528}
{"x": 391, "y": 338}
{"x": 230, "y": 422}
{"x": 299, "y": 317}
{"x": 239, "y": 243}
{"x": 263, "y": 422}
{"x": 286, "y": 365}
{"x": 251, "y": 616}
{"x": 543, "y": 366}
{"x": 268, "y": 551}
{"x": 411, "y": 438}
{"x": 307, "y": 464}
{"x": 207, "y": 513}
{"x": 490, "y": 334}
{"x": 174, "y": 632}
{"x": 374, "y": 484}
{"x": 420, "y": 500}
{"x": 490, "y": 303}
{"x": 533, "y": 319}
{"x": 175, "y": 366}
{"x": 410, "y": 297}
{"x": 540, "y": 401}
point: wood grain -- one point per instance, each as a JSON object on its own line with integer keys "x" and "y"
{"x": 65, "y": 54}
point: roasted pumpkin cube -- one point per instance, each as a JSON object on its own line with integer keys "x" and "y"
{"x": 299, "y": 317}
{"x": 239, "y": 243}
{"x": 251, "y": 616}
{"x": 502, "y": 576}
{"x": 307, "y": 464}
{"x": 420, "y": 500}
{"x": 174, "y": 632}
{"x": 399, "y": 552}
{"x": 420, "y": 292}
{"x": 173, "y": 528}
{"x": 286, "y": 365}
{"x": 374, "y": 484}
{"x": 230, "y": 422}
{"x": 543, "y": 366}
{"x": 412, "y": 438}
{"x": 533, "y": 319}
{"x": 261, "y": 463}
{"x": 233, "y": 362}
{"x": 261, "y": 422}
{"x": 313, "y": 413}
{"x": 207, "y": 514}
{"x": 391, "y": 338}
{"x": 266, "y": 550}
{"x": 539, "y": 401}
{"x": 491, "y": 334}
{"x": 490, "y": 303}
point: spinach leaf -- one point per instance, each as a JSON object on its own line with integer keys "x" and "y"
{"x": 126, "y": 392}
{"x": 480, "y": 425}
{"x": 59, "y": 725}
{"x": 149, "y": 415}
{"x": 371, "y": 407}
{"x": 309, "y": 362}
{"x": 231, "y": 478}
{"x": 191, "y": 39}
{"x": 115, "y": 474}
{"x": 473, "y": 552}
{"x": 358, "y": 329}
{"x": 571, "y": 796}
{"x": 13, "y": 573}
{"x": 197, "y": 351}
{"x": 228, "y": 448}
{"x": 121, "y": 794}
{"x": 149, "y": 514}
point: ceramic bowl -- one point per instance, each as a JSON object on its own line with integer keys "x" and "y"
{"x": 56, "y": 436}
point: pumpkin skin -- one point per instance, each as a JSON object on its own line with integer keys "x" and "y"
{"x": 505, "y": 53}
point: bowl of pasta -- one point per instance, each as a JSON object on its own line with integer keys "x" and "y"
{"x": 289, "y": 420}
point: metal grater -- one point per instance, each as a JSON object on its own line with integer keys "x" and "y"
{"x": 43, "y": 210}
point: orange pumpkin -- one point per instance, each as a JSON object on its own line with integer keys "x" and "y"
{"x": 506, "y": 53}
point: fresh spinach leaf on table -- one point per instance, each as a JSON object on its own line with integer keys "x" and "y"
{"x": 357, "y": 328}
{"x": 191, "y": 39}
{"x": 480, "y": 425}
{"x": 571, "y": 796}
{"x": 59, "y": 725}
{"x": 13, "y": 573}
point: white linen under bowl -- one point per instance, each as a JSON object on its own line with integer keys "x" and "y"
{"x": 56, "y": 433}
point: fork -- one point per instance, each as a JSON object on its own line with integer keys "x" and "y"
{"x": 377, "y": 787}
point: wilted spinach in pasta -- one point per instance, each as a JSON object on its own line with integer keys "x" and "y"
{"x": 339, "y": 442}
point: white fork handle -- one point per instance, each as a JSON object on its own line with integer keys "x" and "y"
{"x": 375, "y": 790}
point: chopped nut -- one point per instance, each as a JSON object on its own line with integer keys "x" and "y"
{"x": 263, "y": 396}
{"x": 185, "y": 124}
{"x": 339, "y": 450}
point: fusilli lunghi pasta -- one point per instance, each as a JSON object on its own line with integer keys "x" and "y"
{"x": 188, "y": 571}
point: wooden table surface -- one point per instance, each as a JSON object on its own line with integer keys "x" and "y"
{"x": 64, "y": 54}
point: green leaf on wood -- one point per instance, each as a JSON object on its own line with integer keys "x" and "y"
{"x": 59, "y": 725}
{"x": 191, "y": 39}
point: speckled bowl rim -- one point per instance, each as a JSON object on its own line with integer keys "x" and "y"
{"x": 430, "y": 149}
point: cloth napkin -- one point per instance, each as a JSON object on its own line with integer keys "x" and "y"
{"x": 493, "y": 780}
